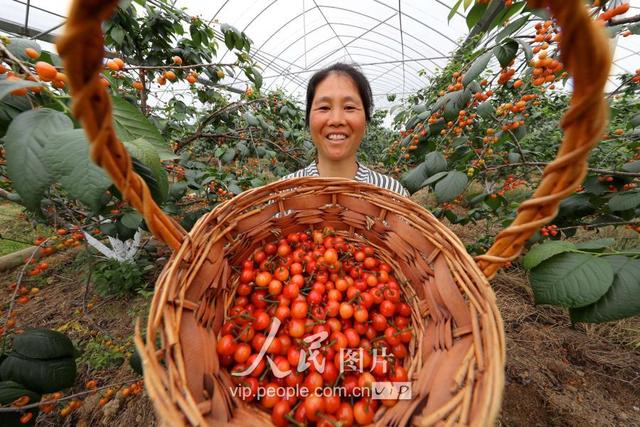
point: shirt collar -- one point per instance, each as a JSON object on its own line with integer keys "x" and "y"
{"x": 362, "y": 174}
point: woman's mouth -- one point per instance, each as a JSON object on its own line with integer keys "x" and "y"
{"x": 336, "y": 137}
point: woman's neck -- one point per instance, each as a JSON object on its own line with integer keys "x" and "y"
{"x": 346, "y": 168}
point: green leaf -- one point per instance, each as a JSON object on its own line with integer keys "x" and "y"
{"x": 437, "y": 126}
{"x": 256, "y": 78}
{"x": 526, "y": 47}
{"x": 518, "y": 133}
{"x": 109, "y": 228}
{"x": 576, "y": 205}
{"x": 51, "y": 58}
{"x": 621, "y": 300}
{"x": 24, "y": 143}
{"x": 131, "y": 220}
{"x": 196, "y": 38}
{"x": 624, "y": 201}
{"x": 242, "y": 148}
{"x": 507, "y": 13}
{"x": 541, "y": 13}
{"x": 177, "y": 190}
{"x": 251, "y": 119}
{"x": 596, "y": 244}
{"x": 129, "y": 124}
{"x": 117, "y": 34}
{"x": 571, "y": 280}
{"x": 506, "y": 52}
{"x": 419, "y": 108}
{"x": 477, "y": 67}
{"x": 68, "y": 159}
{"x": 453, "y": 102}
{"x": 435, "y": 162}
{"x": 495, "y": 202}
{"x": 477, "y": 199}
{"x": 635, "y": 120}
{"x": 7, "y": 86}
{"x": 260, "y": 151}
{"x": 633, "y": 167}
{"x": 635, "y": 28}
{"x": 453, "y": 11}
{"x": 239, "y": 42}
{"x": 10, "y": 107}
{"x": 413, "y": 121}
{"x": 475, "y": 14}
{"x": 257, "y": 182}
{"x": 540, "y": 253}
{"x": 229, "y": 155}
{"x": 513, "y": 157}
{"x": 434, "y": 178}
{"x": 230, "y": 40}
{"x": 472, "y": 88}
{"x": 18, "y": 45}
{"x": 230, "y": 34}
{"x": 512, "y": 27}
{"x": 413, "y": 179}
{"x": 146, "y": 153}
{"x": 450, "y": 111}
{"x": 124, "y": 232}
{"x": 449, "y": 187}
{"x": 234, "y": 188}
{"x": 485, "y": 110}
{"x": 593, "y": 185}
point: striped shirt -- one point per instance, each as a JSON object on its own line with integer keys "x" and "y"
{"x": 364, "y": 174}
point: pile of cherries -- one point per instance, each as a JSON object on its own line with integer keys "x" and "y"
{"x": 303, "y": 306}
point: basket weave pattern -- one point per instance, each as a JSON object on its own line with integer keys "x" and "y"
{"x": 457, "y": 358}
{"x": 451, "y": 299}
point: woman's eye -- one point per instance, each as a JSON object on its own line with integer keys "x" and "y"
{"x": 323, "y": 108}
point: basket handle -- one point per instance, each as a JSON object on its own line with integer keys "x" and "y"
{"x": 585, "y": 53}
{"x": 81, "y": 49}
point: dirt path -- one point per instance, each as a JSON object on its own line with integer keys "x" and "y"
{"x": 557, "y": 375}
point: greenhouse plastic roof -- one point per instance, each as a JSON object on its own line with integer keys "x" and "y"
{"x": 392, "y": 41}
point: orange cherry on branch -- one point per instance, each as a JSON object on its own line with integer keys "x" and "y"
{"x": 31, "y": 53}
{"x": 46, "y": 71}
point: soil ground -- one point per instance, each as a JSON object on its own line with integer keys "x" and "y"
{"x": 556, "y": 375}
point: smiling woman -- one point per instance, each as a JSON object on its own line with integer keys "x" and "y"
{"x": 339, "y": 104}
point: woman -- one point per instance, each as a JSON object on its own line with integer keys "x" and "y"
{"x": 339, "y": 104}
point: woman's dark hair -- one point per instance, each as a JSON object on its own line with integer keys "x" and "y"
{"x": 361, "y": 82}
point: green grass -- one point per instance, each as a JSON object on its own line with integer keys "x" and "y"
{"x": 16, "y": 232}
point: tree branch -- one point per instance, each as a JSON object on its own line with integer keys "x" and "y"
{"x": 599, "y": 224}
{"x": 538, "y": 164}
{"x": 71, "y": 396}
{"x": 176, "y": 67}
{"x": 616, "y": 90}
{"x": 622, "y": 21}
{"x": 198, "y": 133}
{"x": 13, "y": 197}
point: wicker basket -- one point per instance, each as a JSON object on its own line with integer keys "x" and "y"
{"x": 457, "y": 358}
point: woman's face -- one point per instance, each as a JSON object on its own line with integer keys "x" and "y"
{"x": 337, "y": 120}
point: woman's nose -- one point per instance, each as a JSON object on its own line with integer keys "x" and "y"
{"x": 336, "y": 116}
